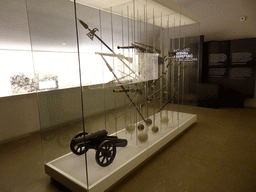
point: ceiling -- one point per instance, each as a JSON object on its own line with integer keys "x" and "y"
{"x": 220, "y": 19}
{"x": 156, "y": 13}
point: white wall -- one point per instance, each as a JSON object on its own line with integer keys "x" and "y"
{"x": 18, "y": 116}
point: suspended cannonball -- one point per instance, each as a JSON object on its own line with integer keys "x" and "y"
{"x": 142, "y": 137}
{"x": 140, "y": 127}
{"x": 130, "y": 128}
{"x": 155, "y": 129}
{"x": 148, "y": 121}
{"x": 165, "y": 119}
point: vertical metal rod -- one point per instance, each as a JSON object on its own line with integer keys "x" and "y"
{"x": 183, "y": 76}
{"x": 168, "y": 75}
{"x": 174, "y": 63}
{"x": 105, "y": 115}
{"x": 154, "y": 96}
{"x": 81, "y": 85}
{"x": 113, "y": 60}
{"x": 179, "y": 77}
{"x": 122, "y": 16}
{"x": 161, "y": 70}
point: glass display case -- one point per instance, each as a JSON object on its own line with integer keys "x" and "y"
{"x": 115, "y": 81}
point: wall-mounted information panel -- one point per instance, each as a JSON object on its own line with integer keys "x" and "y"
{"x": 232, "y": 64}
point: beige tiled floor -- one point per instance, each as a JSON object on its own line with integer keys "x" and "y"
{"x": 218, "y": 153}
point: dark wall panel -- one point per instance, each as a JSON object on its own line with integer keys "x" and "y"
{"x": 232, "y": 64}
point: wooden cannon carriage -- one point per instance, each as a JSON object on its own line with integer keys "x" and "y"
{"x": 104, "y": 145}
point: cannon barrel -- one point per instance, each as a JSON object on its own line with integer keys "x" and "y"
{"x": 98, "y": 134}
{"x": 118, "y": 142}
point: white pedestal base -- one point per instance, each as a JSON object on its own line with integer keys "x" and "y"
{"x": 70, "y": 169}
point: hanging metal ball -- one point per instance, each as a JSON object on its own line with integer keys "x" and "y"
{"x": 148, "y": 99}
{"x": 140, "y": 127}
{"x": 130, "y": 128}
{"x": 142, "y": 137}
{"x": 148, "y": 121}
{"x": 165, "y": 119}
{"x": 155, "y": 129}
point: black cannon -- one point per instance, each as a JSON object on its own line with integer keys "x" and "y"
{"x": 104, "y": 145}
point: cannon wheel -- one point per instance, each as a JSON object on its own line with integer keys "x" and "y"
{"x": 105, "y": 153}
{"x": 78, "y": 149}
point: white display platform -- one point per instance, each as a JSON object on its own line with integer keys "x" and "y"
{"x": 70, "y": 169}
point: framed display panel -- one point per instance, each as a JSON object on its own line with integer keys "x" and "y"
{"x": 232, "y": 65}
{"x": 110, "y": 89}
